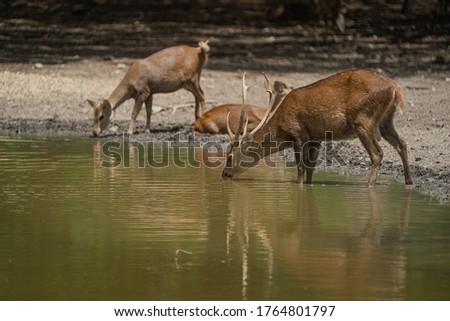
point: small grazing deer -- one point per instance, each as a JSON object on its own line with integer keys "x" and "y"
{"x": 165, "y": 71}
{"x": 215, "y": 120}
{"x": 349, "y": 104}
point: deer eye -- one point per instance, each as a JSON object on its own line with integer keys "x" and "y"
{"x": 101, "y": 117}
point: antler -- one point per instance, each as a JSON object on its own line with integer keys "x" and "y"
{"x": 270, "y": 89}
{"x": 243, "y": 119}
{"x": 229, "y": 131}
{"x": 245, "y": 87}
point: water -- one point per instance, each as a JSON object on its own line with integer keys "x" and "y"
{"x": 73, "y": 230}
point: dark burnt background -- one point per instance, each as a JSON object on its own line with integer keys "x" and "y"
{"x": 377, "y": 34}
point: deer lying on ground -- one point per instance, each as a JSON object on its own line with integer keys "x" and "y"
{"x": 215, "y": 121}
{"x": 165, "y": 71}
{"x": 350, "y": 104}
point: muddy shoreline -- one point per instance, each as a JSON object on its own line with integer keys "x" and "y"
{"x": 56, "y": 108}
{"x": 434, "y": 182}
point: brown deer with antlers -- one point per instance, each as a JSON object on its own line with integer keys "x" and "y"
{"x": 349, "y": 104}
{"x": 215, "y": 120}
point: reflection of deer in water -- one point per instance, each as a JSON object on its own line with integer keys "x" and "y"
{"x": 345, "y": 264}
{"x": 310, "y": 256}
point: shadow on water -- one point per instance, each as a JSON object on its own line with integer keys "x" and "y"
{"x": 74, "y": 230}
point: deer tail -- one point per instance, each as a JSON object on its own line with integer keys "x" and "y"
{"x": 399, "y": 99}
{"x": 204, "y": 46}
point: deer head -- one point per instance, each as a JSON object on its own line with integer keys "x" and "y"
{"x": 102, "y": 115}
{"x": 243, "y": 153}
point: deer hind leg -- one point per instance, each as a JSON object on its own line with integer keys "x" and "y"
{"x": 197, "y": 91}
{"x": 367, "y": 136}
{"x": 148, "y": 108}
{"x": 389, "y": 133}
{"x": 312, "y": 154}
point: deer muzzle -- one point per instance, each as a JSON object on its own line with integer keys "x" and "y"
{"x": 226, "y": 174}
{"x": 96, "y": 131}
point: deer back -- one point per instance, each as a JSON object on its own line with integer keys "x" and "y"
{"x": 336, "y": 104}
{"x": 168, "y": 70}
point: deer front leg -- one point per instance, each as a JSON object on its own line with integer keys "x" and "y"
{"x": 312, "y": 153}
{"x": 298, "y": 152}
{"x": 148, "y": 108}
{"x": 134, "y": 114}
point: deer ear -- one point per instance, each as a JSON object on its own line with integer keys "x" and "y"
{"x": 91, "y": 102}
{"x": 279, "y": 86}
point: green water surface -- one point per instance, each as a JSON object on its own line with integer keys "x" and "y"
{"x": 71, "y": 229}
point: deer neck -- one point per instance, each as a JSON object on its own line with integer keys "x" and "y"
{"x": 270, "y": 139}
{"x": 276, "y": 102}
{"x": 119, "y": 95}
